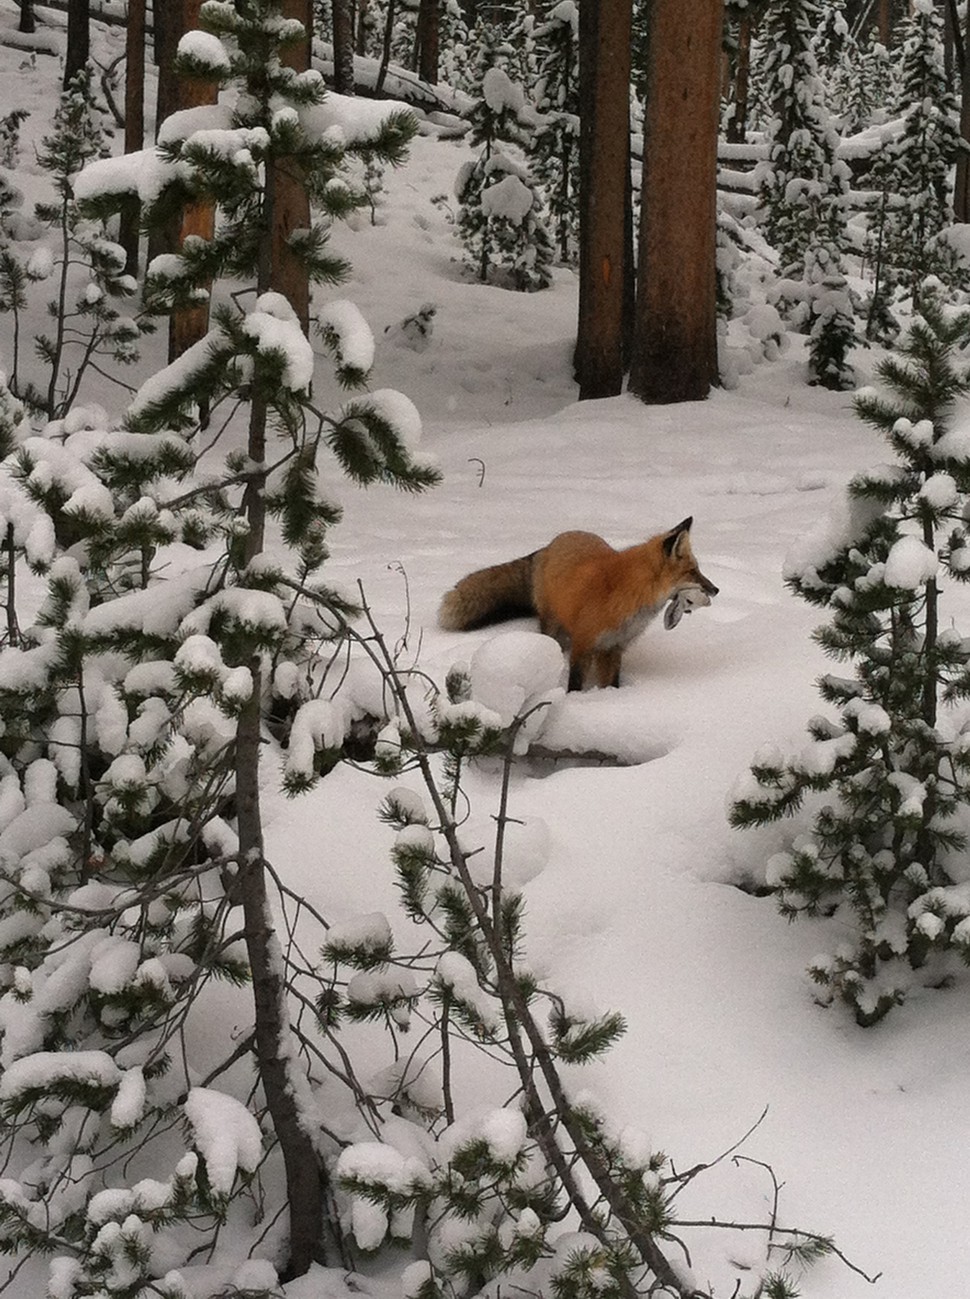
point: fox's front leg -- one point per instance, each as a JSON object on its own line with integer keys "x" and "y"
{"x": 604, "y": 668}
{"x": 595, "y": 668}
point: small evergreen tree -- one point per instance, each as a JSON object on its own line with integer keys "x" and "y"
{"x": 554, "y": 145}
{"x": 832, "y": 37}
{"x": 921, "y": 158}
{"x": 832, "y": 330}
{"x": 10, "y": 125}
{"x": 802, "y": 186}
{"x": 86, "y": 267}
{"x": 802, "y": 193}
{"x": 488, "y": 1197}
{"x": 883, "y": 850}
{"x": 137, "y": 706}
{"x": 501, "y": 220}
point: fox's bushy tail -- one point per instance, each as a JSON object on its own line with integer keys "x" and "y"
{"x": 489, "y": 595}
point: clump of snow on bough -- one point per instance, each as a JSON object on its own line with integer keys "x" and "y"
{"x": 519, "y": 675}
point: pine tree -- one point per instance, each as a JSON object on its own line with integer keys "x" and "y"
{"x": 921, "y": 158}
{"x": 554, "y": 146}
{"x": 87, "y": 268}
{"x": 137, "y": 704}
{"x": 802, "y": 187}
{"x": 882, "y": 850}
{"x": 802, "y": 194}
{"x": 489, "y": 1193}
{"x": 501, "y": 220}
{"x": 866, "y": 85}
{"x": 832, "y": 329}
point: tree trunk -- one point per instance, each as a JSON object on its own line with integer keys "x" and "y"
{"x": 675, "y": 338}
{"x": 343, "y": 47}
{"x": 605, "y": 261}
{"x": 427, "y": 41}
{"x": 272, "y": 1027}
{"x": 386, "y": 46}
{"x": 884, "y": 21}
{"x": 961, "y": 188}
{"x": 288, "y": 200}
{"x": 78, "y": 39}
{"x": 27, "y": 23}
{"x": 361, "y": 24}
{"x": 304, "y": 1171}
{"x": 187, "y": 325}
{"x": 134, "y": 122}
{"x": 168, "y": 22}
{"x": 166, "y": 30}
{"x": 742, "y": 73}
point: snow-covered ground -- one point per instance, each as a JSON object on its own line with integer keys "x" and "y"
{"x": 636, "y": 906}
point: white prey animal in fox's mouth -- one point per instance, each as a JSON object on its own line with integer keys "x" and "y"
{"x": 593, "y": 599}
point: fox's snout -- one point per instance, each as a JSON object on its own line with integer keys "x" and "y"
{"x": 708, "y": 587}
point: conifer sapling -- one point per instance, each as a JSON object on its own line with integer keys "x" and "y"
{"x": 886, "y": 844}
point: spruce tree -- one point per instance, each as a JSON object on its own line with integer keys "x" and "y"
{"x": 802, "y": 193}
{"x": 882, "y": 853}
{"x": 554, "y": 146}
{"x": 501, "y": 220}
{"x": 921, "y": 158}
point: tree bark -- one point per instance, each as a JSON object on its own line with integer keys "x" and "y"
{"x": 605, "y": 259}
{"x": 742, "y": 73}
{"x": 304, "y": 1171}
{"x": 343, "y": 47}
{"x": 78, "y": 39}
{"x": 675, "y": 337}
{"x": 272, "y": 1026}
{"x": 386, "y": 46}
{"x": 168, "y": 24}
{"x": 427, "y": 40}
{"x": 134, "y": 121}
{"x": 166, "y": 30}
{"x": 187, "y": 325}
{"x": 27, "y": 23}
{"x": 884, "y": 21}
{"x": 961, "y": 187}
{"x": 289, "y": 202}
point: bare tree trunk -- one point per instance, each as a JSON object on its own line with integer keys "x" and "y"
{"x": 961, "y": 188}
{"x": 675, "y": 339}
{"x": 134, "y": 122}
{"x": 742, "y": 74}
{"x": 166, "y": 30}
{"x": 361, "y": 25}
{"x": 187, "y": 325}
{"x": 168, "y": 27}
{"x": 343, "y": 47}
{"x": 27, "y": 23}
{"x": 78, "y": 39}
{"x": 605, "y": 261}
{"x": 386, "y": 48}
{"x": 272, "y": 1026}
{"x": 290, "y": 203}
{"x": 427, "y": 40}
{"x": 884, "y": 22}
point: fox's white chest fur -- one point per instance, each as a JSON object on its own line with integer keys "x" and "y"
{"x": 618, "y": 638}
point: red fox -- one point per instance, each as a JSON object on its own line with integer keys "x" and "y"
{"x": 593, "y": 599}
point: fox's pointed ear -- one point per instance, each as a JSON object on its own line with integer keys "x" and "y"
{"x": 675, "y": 534}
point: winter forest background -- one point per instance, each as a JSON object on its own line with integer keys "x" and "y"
{"x": 343, "y": 955}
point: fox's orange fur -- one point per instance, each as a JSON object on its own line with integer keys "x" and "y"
{"x": 593, "y": 599}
